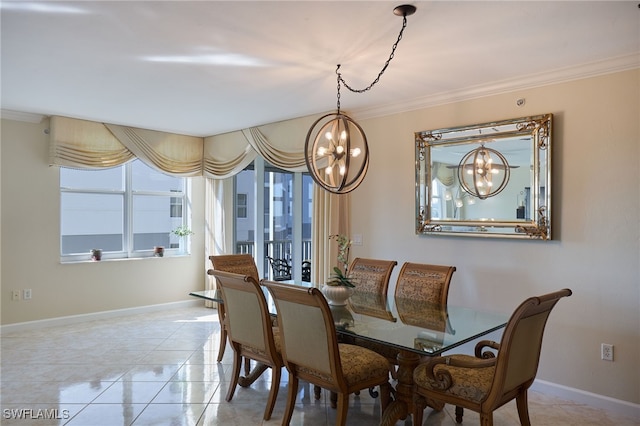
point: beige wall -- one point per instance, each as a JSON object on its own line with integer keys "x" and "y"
{"x": 595, "y": 219}
{"x": 595, "y": 252}
{"x": 30, "y": 245}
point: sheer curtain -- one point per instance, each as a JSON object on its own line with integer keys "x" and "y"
{"x": 330, "y": 217}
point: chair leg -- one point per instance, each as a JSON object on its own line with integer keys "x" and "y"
{"x": 486, "y": 419}
{"x": 419, "y": 404}
{"x": 247, "y": 366}
{"x": 291, "y": 400}
{"x": 343, "y": 406}
{"x": 333, "y": 399}
{"x": 316, "y": 391}
{"x": 223, "y": 332}
{"x": 523, "y": 408}
{"x": 385, "y": 396}
{"x": 237, "y": 362}
{"x": 459, "y": 414}
{"x": 276, "y": 372}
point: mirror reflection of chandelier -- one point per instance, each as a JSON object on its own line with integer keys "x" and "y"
{"x": 483, "y": 172}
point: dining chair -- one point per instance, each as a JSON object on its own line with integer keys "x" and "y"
{"x": 242, "y": 264}
{"x": 251, "y": 333}
{"x": 488, "y": 380}
{"x": 311, "y": 352}
{"x": 420, "y": 281}
{"x": 371, "y": 275}
{"x": 371, "y": 278}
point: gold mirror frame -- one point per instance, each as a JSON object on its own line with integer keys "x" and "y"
{"x": 522, "y": 209}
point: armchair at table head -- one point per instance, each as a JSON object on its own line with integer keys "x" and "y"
{"x": 251, "y": 334}
{"x": 420, "y": 281}
{"x": 311, "y": 352}
{"x": 280, "y": 268}
{"x": 487, "y": 381}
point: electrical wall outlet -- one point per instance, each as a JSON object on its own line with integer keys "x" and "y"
{"x": 15, "y": 295}
{"x": 606, "y": 352}
{"x": 26, "y": 294}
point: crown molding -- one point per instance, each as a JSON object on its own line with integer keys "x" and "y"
{"x": 561, "y": 75}
{"x": 21, "y": 116}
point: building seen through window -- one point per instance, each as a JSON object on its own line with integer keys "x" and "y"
{"x": 124, "y": 211}
{"x": 282, "y": 211}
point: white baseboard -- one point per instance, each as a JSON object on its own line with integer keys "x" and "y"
{"x": 612, "y": 405}
{"x": 74, "y": 319}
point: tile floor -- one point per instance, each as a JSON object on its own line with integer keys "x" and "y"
{"x": 161, "y": 369}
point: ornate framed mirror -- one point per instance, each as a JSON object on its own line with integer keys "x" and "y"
{"x": 487, "y": 180}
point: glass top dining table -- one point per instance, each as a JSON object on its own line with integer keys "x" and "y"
{"x": 411, "y": 325}
{"x": 400, "y": 329}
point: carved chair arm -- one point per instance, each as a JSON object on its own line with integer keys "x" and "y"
{"x": 442, "y": 377}
{"x": 484, "y": 344}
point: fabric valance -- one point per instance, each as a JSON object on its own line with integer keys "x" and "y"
{"x": 88, "y": 144}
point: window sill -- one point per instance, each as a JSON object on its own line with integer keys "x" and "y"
{"x": 120, "y": 259}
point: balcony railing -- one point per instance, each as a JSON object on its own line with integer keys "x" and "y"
{"x": 277, "y": 249}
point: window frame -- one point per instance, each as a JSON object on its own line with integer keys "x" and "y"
{"x": 128, "y": 194}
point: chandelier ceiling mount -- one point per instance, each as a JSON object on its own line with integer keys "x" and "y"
{"x": 336, "y": 149}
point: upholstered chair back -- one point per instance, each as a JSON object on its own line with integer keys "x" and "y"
{"x": 429, "y": 283}
{"x": 371, "y": 275}
{"x": 307, "y": 332}
{"x": 242, "y": 264}
{"x": 519, "y": 354}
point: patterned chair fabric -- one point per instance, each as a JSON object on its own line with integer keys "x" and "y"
{"x": 419, "y": 281}
{"x": 489, "y": 380}
{"x": 371, "y": 275}
{"x": 251, "y": 334}
{"x": 371, "y": 304}
{"x": 242, "y": 264}
{"x": 311, "y": 352}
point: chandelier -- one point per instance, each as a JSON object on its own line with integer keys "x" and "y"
{"x": 336, "y": 149}
{"x": 483, "y": 172}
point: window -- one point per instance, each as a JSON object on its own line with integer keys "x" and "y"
{"x": 241, "y": 206}
{"x": 125, "y": 211}
{"x": 281, "y": 210}
{"x": 437, "y": 202}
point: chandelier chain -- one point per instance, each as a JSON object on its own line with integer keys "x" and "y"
{"x": 384, "y": 68}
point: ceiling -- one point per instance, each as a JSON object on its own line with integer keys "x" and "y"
{"x": 209, "y": 67}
